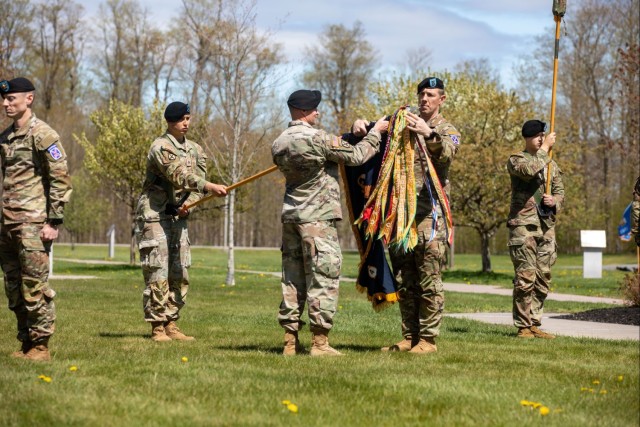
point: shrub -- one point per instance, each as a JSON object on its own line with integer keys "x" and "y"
{"x": 630, "y": 288}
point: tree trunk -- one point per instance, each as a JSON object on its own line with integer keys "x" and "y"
{"x": 230, "y": 280}
{"x": 485, "y": 239}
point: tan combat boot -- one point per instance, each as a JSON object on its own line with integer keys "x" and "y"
{"x": 173, "y": 332}
{"x": 404, "y": 345}
{"x": 292, "y": 345}
{"x": 321, "y": 346}
{"x": 424, "y": 346}
{"x": 158, "y": 333}
{"x": 39, "y": 352}
{"x": 525, "y": 333}
{"x": 26, "y": 346}
{"x": 541, "y": 334}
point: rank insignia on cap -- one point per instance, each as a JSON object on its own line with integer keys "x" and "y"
{"x": 55, "y": 152}
{"x": 455, "y": 139}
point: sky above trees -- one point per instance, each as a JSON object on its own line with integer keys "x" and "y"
{"x": 453, "y": 30}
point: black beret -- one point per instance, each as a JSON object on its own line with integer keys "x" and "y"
{"x": 305, "y": 99}
{"x": 532, "y": 128}
{"x": 430, "y": 83}
{"x": 19, "y": 84}
{"x": 176, "y": 110}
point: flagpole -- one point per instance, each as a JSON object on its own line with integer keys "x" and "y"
{"x": 559, "y": 8}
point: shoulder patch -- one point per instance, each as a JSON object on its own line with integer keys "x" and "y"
{"x": 54, "y": 152}
{"x": 455, "y": 138}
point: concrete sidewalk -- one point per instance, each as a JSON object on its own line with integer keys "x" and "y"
{"x": 572, "y": 328}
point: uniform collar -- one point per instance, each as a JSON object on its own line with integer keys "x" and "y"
{"x": 24, "y": 129}
{"x": 179, "y": 145}
{"x": 299, "y": 123}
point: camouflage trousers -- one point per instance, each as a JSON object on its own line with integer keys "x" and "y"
{"x": 533, "y": 252}
{"x": 165, "y": 256}
{"x": 25, "y": 263}
{"x": 311, "y": 263}
{"x": 420, "y": 289}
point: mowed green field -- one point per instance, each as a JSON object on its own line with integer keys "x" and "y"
{"x": 234, "y": 373}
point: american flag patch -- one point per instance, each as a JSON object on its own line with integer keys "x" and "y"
{"x": 55, "y": 152}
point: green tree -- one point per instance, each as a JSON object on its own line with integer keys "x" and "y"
{"x": 117, "y": 158}
{"x": 85, "y": 212}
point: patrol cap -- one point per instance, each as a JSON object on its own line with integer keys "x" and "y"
{"x": 176, "y": 110}
{"x": 19, "y": 84}
{"x": 430, "y": 83}
{"x": 533, "y": 127}
{"x": 304, "y": 99}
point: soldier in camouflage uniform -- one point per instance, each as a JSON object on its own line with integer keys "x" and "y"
{"x": 418, "y": 273}
{"x": 36, "y": 186}
{"x": 311, "y": 256}
{"x": 532, "y": 218}
{"x": 175, "y": 177}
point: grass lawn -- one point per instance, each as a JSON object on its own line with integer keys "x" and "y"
{"x": 234, "y": 373}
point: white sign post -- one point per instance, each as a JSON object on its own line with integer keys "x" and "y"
{"x": 111, "y": 234}
{"x": 592, "y": 242}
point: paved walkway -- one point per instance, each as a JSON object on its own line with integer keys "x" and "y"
{"x": 572, "y": 328}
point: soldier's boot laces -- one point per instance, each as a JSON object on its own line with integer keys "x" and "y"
{"x": 424, "y": 346}
{"x": 541, "y": 334}
{"x": 292, "y": 345}
{"x": 321, "y": 346}
{"x": 26, "y": 346}
{"x": 39, "y": 352}
{"x": 173, "y": 332}
{"x": 404, "y": 345}
{"x": 158, "y": 332}
{"x": 525, "y": 333}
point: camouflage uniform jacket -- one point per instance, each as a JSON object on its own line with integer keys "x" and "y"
{"x": 36, "y": 182}
{"x": 442, "y": 146}
{"x": 308, "y": 159}
{"x": 528, "y": 174}
{"x": 173, "y": 168}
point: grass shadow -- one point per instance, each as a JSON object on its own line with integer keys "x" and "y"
{"x": 123, "y": 335}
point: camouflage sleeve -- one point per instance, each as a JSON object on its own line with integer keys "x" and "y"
{"x": 557, "y": 187}
{"x": 635, "y": 218}
{"x": 55, "y": 172}
{"x": 337, "y": 150}
{"x": 168, "y": 162}
{"x": 443, "y": 144}
{"x": 201, "y": 171}
{"x": 527, "y": 167}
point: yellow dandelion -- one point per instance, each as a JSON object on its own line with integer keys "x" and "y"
{"x": 286, "y": 402}
{"x": 583, "y": 389}
{"x": 620, "y": 378}
{"x": 590, "y": 390}
{"x": 292, "y": 407}
{"x": 184, "y": 359}
{"x": 603, "y": 391}
{"x": 45, "y": 378}
{"x": 595, "y": 382}
{"x": 525, "y": 403}
{"x": 544, "y": 410}
{"x": 73, "y": 368}
{"x": 536, "y": 405}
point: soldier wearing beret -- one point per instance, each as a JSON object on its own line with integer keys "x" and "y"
{"x": 532, "y": 218}
{"x": 36, "y": 186}
{"x": 418, "y": 273}
{"x": 175, "y": 177}
{"x": 311, "y": 256}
